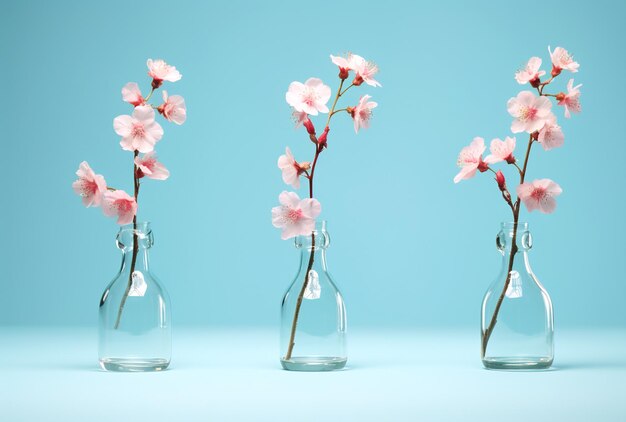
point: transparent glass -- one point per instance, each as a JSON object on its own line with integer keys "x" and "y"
{"x": 135, "y": 332}
{"x": 521, "y": 334}
{"x": 313, "y": 334}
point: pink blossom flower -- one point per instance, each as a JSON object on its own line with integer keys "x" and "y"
{"x": 365, "y": 70}
{"x": 551, "y": 135}
{"x": 539, "y": 195}
{"x": 571, "y": 100}
{"x": 530, "y": 112}
{"x": 291, "y": 168}
{"x": 501, "y": 151}
{"x": 139, "y": 132}
{"x": 561, "y": 59}
{"x": 343, "y": 64}
{"x": 299, "y": 117}
{"x": 120, "y": 204}
{"x": 531, "y": 72}
{"x": 471, "y": 159}
{"x": 295, "y": 216}
{"x": 150, "y": 167}
{"x": 132, "y": 94}
{"x": 362, "y": 113}
{"x": 160, "y": 71}
{"x": 302, "y": 119}
{"x": 90, "y": 186}
{"x": 310, "y": 97}
{"x": 173, "y": 108}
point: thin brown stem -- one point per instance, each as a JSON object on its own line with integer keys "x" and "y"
{"x": 339, "y": 94}
{"x": 494, "y": 318}
{"x": 135, "y": 248}
{"x": 344, "y": 91}
{"x": 294, "y": 325}
{"x": 543, "y": 85}
{"x": 149, "y": 95}
{"x": 338, "y": 111}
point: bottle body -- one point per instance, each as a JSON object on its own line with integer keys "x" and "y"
{"x": 517, "y": 323}
{"x": 134, "y": 332}
{"x": 313, "y": 313}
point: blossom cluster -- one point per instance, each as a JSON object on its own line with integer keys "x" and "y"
{"x": 140, "y": 132}
{"x": 297, "y": 216}
{"x": 532, "y": 113}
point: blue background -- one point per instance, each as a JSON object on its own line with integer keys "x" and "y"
{"x": 409, "y": 247}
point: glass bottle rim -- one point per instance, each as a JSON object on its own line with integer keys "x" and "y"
{"x": 509, "y": 225}
{"x": 141, "y": 226}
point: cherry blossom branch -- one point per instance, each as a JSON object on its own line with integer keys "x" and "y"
{"x": 319, "y": 147}
{"x": 531, "y": 114}
{"x": 311, "y": 98}
{"x": 150, "y": 94}
{"x": 139, "y": 132}
{"x": 344, "y": 91}
{"x": 338, "y": 111}
{"x": 339, "y": 94}
{"x": 135, "y": 240}
{"x": 515, "y": 209}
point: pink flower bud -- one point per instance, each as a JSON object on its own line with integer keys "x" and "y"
{"x": 501, "y": 180}
{"x": 358, "y": 80}
{"x": 323, "y": 137}
{"x": 308, "y": 124}
{"x": 556, "y": 71}
{"x": 535, "y": 82}
{"x": 343, "y": 73}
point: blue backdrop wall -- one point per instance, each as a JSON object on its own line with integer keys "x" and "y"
{"x": 409, "y": 247}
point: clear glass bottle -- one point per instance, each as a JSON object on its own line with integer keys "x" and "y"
{"x": 313, "y": 335}
{"x": 521, "y": 334}
{"x": 135, "y": 332}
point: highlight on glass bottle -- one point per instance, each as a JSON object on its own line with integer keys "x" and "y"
{"x": 517, "y": 324}
{"x": 134, "y": 315}
{"x": 313, "y": 314}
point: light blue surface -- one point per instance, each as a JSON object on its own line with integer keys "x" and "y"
{"x": 234, "y": 375}
{"x": 409, "y": 247}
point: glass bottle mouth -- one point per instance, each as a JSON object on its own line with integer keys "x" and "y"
{"x": 140, "y": 227}
{"x": 510, "y": 226}
{"x": 319, "y": 235}
{"x": 126, "y": 235}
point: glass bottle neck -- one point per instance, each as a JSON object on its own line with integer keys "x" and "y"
{"x": 313, "y": 248}
{"x": 134, "y": 240}
{"x": 319, "y": 259}
{"x": 140, "y": 261}
{"x": 513, "y": 238}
